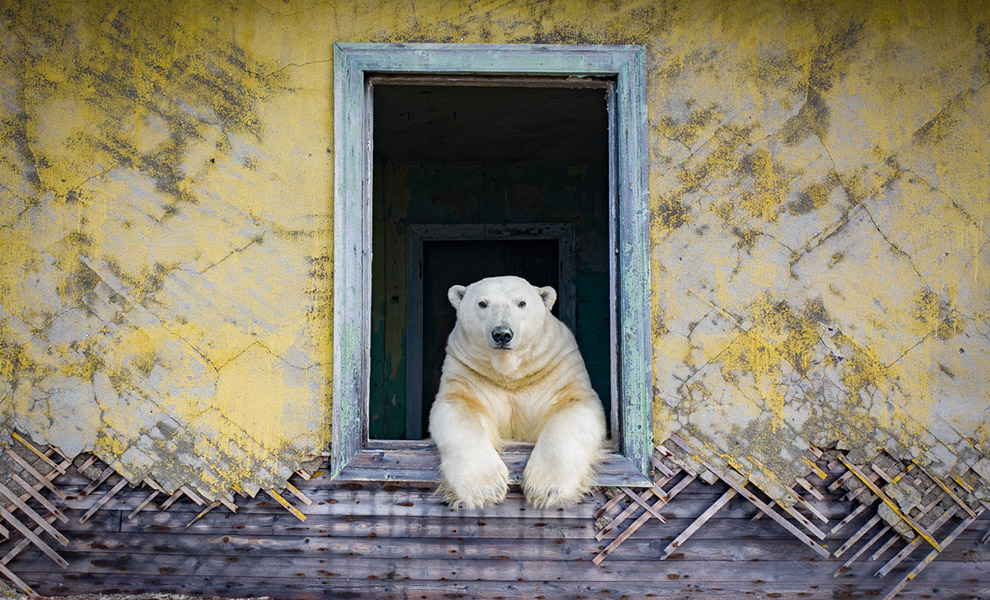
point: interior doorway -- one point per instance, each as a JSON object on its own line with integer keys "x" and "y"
{"x": 473, "y": 178}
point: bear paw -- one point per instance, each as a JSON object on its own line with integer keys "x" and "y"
{"x": 546, "y": 489}
{"x": 475, "y": 485}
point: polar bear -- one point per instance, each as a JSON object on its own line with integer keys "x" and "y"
{"x": 513, "y": 372}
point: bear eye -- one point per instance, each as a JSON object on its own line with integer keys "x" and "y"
{"x": 522, "y": 304}
{"x": 483, "y": 304}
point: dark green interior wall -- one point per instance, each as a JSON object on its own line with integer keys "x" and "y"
{"x": 431, "y": 192}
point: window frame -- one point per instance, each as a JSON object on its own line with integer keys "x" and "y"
{"x": 353, "y": 456}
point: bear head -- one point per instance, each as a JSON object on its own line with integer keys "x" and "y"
{"x": 503, "y": 312}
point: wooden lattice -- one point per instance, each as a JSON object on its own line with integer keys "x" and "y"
{"x": 673, "y": 465}
{"x": 940, "y": 514}
{"x": 934, "y": 521}
{"x": 898, "y": 506}
{"x": 22, "y": 525}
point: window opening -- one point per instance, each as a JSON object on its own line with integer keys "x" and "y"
{"x": 364, "y": 259}
{"x": 461, "y": 171}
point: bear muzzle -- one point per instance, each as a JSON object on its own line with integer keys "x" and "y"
{"x": 501, "y": 336}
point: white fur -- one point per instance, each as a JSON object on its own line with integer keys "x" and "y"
{"x": 534, "y": 389}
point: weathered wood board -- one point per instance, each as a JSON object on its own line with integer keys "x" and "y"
{"x": 400, "y": 541}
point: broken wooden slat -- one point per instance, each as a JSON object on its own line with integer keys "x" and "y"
{"x": 860, "y": 552}
{"x": 604, "y": 508}
{"x": 295, "y": 492}
{"x": 930, "y": 557}
{"x": 170, "y": 500}
{"x": 657, "y": 463}
{"x": 852, "y": 515}
{"x": 818, "y": 471}
{"x": 883, "y": 475}
{"x": 684, "y": 466}
{"x": 853, "y": 494}
{"x": 624, "y": 535}
{"x": 102, "y": 501}
{"x": 701, "y": 520}
{"x": 153, "y": 485}
{"x": 144, "y": 503}
{"x": 38, "y": 453}
{"x": 192, "y": 495}
{"x": 810, "y": 488}
{"x": 203, "y": 512}
{"x": 855, "y": 537}
{"x": 87, "y": 464}
{"x": 907, "y": 469}
{"x": 230, "y": 505}
{"x": 893, "y": 505}
{"x": 913, "y": 544}
{"x": 285, "y": 504}
{"x": 44, "y": 481}
{"x": 640, "y": 501}
{"x": 37, "y": 541}
{"x": 27, "y": 510}
{"x": 947, "y": 490}
{"x": 89, "y": 489}
{"x": 622, "y": 516}
{"x": 770, "y": 512}
{"x": 894, "y": 538}
{"x": 664, "y": 498}
{"x": 835, "y": 485}
{"x": 39, "y": 498}
{"x": 17, "y": 581}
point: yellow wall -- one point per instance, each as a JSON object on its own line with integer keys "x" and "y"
{"x": 818, "y": 183}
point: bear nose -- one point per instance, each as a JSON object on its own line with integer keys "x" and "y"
{"x": 501, "y": 335}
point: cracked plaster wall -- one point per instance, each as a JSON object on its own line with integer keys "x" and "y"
{"x": 818, "y": 183}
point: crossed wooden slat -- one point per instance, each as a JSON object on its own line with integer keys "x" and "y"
{"x": 15, "y": 511}
{"x": 672, "y": 464}
{"x": 935, "y": 493}
{"x": 18, "y": 517}
{"x": 865, "y": 485}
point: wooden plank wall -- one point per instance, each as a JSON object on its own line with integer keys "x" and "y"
{"x": 399, "y": 541}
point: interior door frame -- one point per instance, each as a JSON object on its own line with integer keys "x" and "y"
{"x": 418, "y": 234}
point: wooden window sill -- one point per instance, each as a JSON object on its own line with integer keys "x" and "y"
{"x": 413, "y": 461}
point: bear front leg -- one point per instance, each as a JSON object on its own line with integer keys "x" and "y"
{"x": 472, "y": 474}
{"x": 561, "y": 469}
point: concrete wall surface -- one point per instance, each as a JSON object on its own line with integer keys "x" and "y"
{"x": 819, "y": 177}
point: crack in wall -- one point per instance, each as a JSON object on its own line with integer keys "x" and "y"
{"x": 894, "y": 246}
{"x": 258, "y": 239}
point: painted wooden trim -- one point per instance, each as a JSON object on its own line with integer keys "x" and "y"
{"x": 635, "y": 341}
{"x": 484, "y": 59}
{"x": 350, "y": 356}
{"x": 352, "y": 218}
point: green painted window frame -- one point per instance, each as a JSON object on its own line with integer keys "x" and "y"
{"x": 353, "y": 455}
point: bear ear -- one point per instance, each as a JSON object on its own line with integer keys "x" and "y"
{"x": 549, "y": 296}
{"x": 455, "y": 294}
